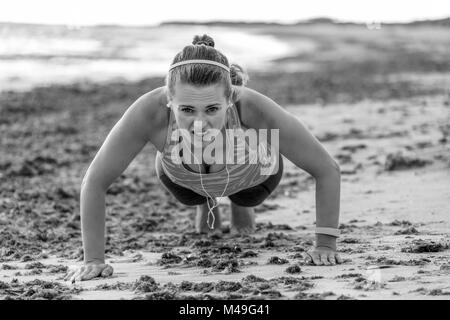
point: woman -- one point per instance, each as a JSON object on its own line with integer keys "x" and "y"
{"x": 204, "y": 101}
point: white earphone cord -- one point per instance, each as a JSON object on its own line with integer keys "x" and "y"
{"x": 208, "y": 195}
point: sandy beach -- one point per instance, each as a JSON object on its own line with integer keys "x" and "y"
{"x": 387, "y": 124}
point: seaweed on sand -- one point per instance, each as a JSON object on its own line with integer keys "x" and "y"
{"x": 421, "y": 246}
{"x": 145, "y": 284}
{"x": 36, "y": 290}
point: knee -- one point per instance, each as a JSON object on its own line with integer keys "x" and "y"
{"x": 183, "y": 196}
{"x": 189, "y": 200}
{"x": 192, "y": 201}
{"x": 248, "y": 200}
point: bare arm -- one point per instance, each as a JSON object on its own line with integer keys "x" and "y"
{"x": 123, "y": 143}
{"x": 306, "y": 152}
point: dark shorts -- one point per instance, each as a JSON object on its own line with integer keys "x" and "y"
{"x": 250, "y": 197}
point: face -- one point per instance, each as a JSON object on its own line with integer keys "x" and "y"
{"x": 203, "y": 106}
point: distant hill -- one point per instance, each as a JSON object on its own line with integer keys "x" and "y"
{"x": 222, "y": 23}
{"x": 320, "y": 20}
{"x": 445, "y": 22}
{"x": 441, "y": 22}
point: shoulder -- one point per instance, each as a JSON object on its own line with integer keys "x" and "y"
{"x": 151, "y": 113}
{"x": 152, "y": 104}
{"x": 259, "y": 111}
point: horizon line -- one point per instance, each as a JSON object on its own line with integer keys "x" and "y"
{"x": 316, "y": 20}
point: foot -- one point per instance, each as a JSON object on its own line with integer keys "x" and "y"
{"x": 201, "y": 220}
{"x": 242, "y": 220}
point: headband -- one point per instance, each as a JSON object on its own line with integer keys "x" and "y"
{"x": 200, "y": 61}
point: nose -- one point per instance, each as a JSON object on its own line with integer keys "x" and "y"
{"x": 200, "y": 124}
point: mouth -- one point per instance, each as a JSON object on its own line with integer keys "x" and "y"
{"x": 199, "y": 134}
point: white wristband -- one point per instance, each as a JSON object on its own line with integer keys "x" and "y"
{"x": 329, "y": 231}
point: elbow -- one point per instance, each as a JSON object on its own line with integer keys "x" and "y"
{"x": 90, "y": 182}
{"x": 84, "y": 183}
{"x": 328, "y": 171}
{"x": 335, "y": 168}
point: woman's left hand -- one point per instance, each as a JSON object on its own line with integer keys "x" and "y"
{"x": 322, "y": 256}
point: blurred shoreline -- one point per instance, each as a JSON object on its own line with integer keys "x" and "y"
{"x": 308, "y": 55}
{"x": 444, "y": 21}
{"x": 46, "y": 55}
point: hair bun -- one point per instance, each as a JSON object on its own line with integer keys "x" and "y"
{"x": 205, "y": 39}
{"x": 239, "y": 76}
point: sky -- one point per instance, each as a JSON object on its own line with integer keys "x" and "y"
{"x": 147, "y": 12}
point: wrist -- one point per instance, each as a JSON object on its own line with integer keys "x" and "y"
{"x": 94, "y": 261}
{"x": 324, "y": 240}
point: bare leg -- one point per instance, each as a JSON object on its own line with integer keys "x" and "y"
{"x": 201, "y": 220}
{"x": 242, "y": 219}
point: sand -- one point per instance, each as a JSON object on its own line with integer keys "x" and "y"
{"x": 390, "y": 138}
{"x": 383, "y": 214}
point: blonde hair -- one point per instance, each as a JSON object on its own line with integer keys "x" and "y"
{"x": 198, "y": 74}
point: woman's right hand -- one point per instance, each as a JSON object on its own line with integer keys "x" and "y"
{"x": 89, "y": 271}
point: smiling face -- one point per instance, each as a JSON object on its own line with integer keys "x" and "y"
{"x": 206, "y": 106}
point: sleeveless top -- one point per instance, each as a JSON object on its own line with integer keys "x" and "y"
{"x": 242, "y": 174}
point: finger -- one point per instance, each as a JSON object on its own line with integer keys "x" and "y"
{"x": 338, "y": 258}
{"x": 78, "y": 275}
{"x": 324, "y": 259}
{"x": 107, "y": 271}
{"x": 69, "y": 274}
{"x": 307, "y": 258}
{"x": 72, "y": 270}
{"x": 82, "y": 275}
{"x": 90, "y": 273}
{"x": 75, "y": 275}
{"x": 332, "y": 259}
{"x": 316, "y": 259}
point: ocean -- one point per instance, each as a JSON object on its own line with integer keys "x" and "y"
{"x": 42, "y": 55}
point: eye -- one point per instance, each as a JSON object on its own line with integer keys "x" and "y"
{"x": 213, "y": 109}
{"x": 187, "y": 110}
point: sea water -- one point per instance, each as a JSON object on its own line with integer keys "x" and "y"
{"x": 40, "y": 55}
